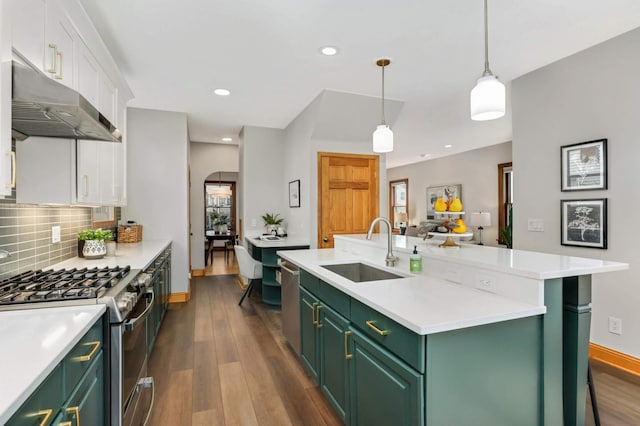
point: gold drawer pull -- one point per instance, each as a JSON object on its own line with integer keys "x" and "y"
{"x": 313, "y": 313}
{"x": 65, "y": 424}
{"x": 318, "y": 323}
{"x": 347, "y": 355}
{"x": 76, "y": 412}
{"x": 96, "y": 346}
{"x": 46, "y": 413}
{"x": 376, "y": 329}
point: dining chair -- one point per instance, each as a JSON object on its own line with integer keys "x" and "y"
{"x": 250, "y": 268}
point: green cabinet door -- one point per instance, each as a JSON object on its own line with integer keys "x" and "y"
{"x": 384, "y": 390}
{"x": 334, "y": 377}
{"x": 86, "y": 404}
{"x": 309, "y": 333}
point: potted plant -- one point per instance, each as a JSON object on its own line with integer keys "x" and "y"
{"x": 218, "y": 222}
{"x": 271, "y": 222}
{"x": 91, "y": 243}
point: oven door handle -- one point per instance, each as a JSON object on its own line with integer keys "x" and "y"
{"x": 131, "y": 324}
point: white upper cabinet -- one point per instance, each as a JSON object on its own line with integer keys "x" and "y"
{"x": 7, "y": 157}
{"x": 61, "y": 42}
{"x": 107, "y": 98}
{"x": 88, "y": 75}
{"x": 27, "y": 18}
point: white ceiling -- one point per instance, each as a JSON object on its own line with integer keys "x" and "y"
{"x": 174, "y": 53}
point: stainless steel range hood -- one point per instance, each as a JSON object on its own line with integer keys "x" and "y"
{"x": 43, "y": 107}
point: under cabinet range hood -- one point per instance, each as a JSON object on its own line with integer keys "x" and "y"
{"x": 43, "y": 107}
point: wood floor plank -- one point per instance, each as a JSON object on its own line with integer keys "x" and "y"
{"x": 207, "y": 394}
{"x": 203, "y": 324}
{"x": 208, "y": 418}
{"x": 174, "y": 407}
{"x": 238, "y": 409}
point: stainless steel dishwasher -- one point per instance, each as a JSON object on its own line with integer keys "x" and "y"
{"x": 291, "y": 304}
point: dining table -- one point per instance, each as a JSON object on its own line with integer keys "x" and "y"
{"x": 212, "y": 236}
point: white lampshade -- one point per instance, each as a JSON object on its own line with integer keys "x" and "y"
{"x": 480, "y": 219}
{"x": 488, "y": 99}
{"x": 382, "y": 139}
{"x": 219, "y": 191}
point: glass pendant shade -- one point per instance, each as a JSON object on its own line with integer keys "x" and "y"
{"x": 488, "y": 99}
{"x": 382, "y": 139}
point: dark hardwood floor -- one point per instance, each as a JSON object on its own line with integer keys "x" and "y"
{"x": 216, "y": 363}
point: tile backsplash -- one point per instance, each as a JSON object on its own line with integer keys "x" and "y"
{"x": 25, "y": 231}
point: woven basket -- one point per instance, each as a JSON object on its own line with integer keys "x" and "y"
{"x": 130, "y": 234}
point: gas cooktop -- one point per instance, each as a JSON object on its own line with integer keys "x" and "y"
{"x": 65, "y": 284}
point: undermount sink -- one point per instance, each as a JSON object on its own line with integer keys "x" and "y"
{"x": 360, "y": 272}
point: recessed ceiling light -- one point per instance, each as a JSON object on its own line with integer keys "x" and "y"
{"x": 329, "y": 50}
{"x": 448, "y": 146}
{"x": 424, "y": 155}
{"x": 222, "y": 92}
{"x": 227, "y": 139}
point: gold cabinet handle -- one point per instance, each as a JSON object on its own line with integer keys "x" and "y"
{"x": 76, "y": 412}
{"x": 54, "y": 58}
{"x": 376, "y": 329}
{"x": 347, "y": 355}
{"x": 313, "y": 313}
{"x": 318, "y": 323}
{"x": 46, "y": 413}
{"x": 13, "y": 170}
{"x": 96, "y": 346}
{"x": 65, "y": 424}
{"x": 59, "y": 76}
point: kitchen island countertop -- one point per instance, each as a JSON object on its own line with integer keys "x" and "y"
{"x": 33, "y": 342}
{"x": 423, "y": 304}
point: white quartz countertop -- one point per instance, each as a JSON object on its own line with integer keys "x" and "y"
{"x": 516, "y": 262}
{"x": 137, "y": 255}
{"x": 283, "y": 242}
{"x": 423, "y": 304}
{"x": 33, "y": 342}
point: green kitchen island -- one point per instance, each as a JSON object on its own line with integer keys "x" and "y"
{"x": 484, "y": 336}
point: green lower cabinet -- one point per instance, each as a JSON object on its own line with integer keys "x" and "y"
{"x": 334, "y": 374}
{"x": 43, "y": 404}
{"x": 384, "y": 390}
{"x": 86, "y": 404}
{"x": 309, "y": 333}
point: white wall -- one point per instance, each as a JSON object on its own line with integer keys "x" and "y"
{"x": 476, "y": 171}
{"x": 157, "y": 170}
{"x": 261, "y": 177}
{"x": 590, "y": 95}
{"x": 207, "y": 158}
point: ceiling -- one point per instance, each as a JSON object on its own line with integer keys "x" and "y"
{"x": 175, "y": 53}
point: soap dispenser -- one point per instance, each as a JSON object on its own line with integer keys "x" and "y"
{"x": 415, "y": 261}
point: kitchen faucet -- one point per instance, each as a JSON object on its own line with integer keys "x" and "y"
{"x": 390, "y": 260}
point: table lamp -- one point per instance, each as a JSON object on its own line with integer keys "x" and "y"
{"x": 402, "y": 218}
{"x": 480, "y": 219}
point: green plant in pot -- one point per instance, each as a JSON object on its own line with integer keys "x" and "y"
{"x": 218, "y": 221}
{"x": 271, "y": 222}
{"x": 92, "y": 242}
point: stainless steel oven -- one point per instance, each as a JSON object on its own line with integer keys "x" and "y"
{"x": 132, "y": 391}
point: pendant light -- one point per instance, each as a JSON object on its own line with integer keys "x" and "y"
{"x": 220, "y": 190}
{"x": 383, "y": 136}
{"x": 488, "y": 97}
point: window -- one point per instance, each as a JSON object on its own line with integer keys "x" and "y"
{"x": 219, "y": 206}
{"x": 399, "y": 203}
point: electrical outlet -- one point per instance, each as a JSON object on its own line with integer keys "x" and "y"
{"x": 254, "y": 223}
{"x": 55, "y": 234}
{"x": 615, "y": 325}
{"x": 486, "y": 283}
{"x": 453, "y": 275}
{"x": 535, "y": 225}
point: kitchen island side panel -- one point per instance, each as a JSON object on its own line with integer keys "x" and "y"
{"x": 485, "y": 376}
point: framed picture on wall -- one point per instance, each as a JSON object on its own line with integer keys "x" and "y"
{"x": 445, "y": 192}
{"x": 584, "y": 166}
{"x": 294, "y": 193}
{"x": 584, "y": 223}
